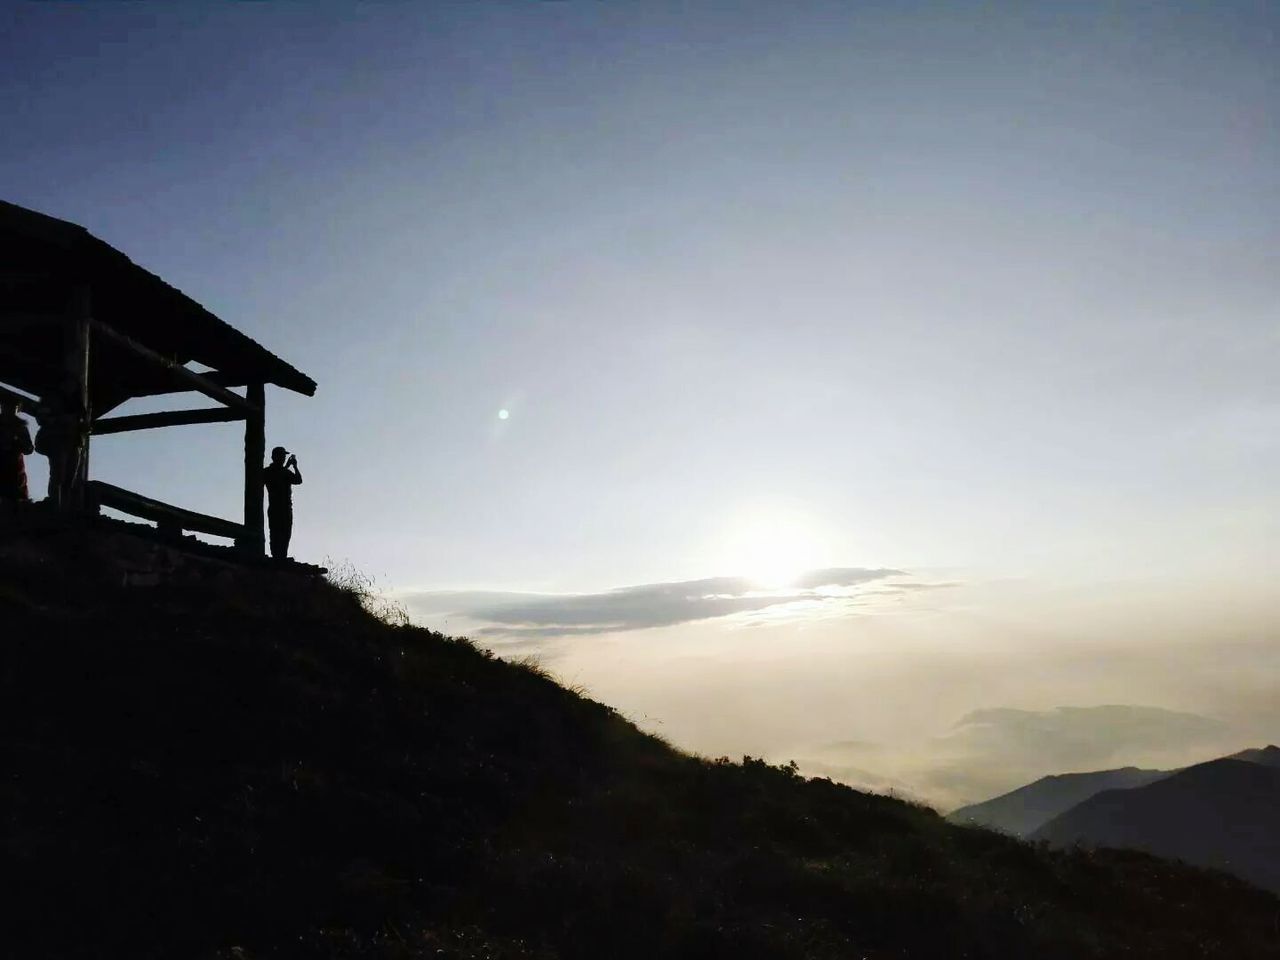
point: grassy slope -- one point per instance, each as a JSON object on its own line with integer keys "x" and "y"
{"x": 260, "y": 774}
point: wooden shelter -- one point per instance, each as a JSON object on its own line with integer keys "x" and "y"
{"x": 83, "y": 327}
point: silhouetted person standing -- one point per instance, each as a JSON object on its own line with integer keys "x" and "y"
{"x": 63, "y": 438}
{"x": 15, "y": 445}
{"x": 280, "y": 477}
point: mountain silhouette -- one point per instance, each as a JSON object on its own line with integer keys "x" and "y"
{"x": 249, "y": 764}
{"x": 1268, "y": 756}
{"x": 1023, "y": 811}
{"x": 1223, "y": 814}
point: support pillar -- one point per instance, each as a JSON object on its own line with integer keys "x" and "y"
{"x": 255, "y": 452}
{"x": 74, "y": 413}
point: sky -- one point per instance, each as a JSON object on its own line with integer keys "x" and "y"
{"x": 890, "y": 387}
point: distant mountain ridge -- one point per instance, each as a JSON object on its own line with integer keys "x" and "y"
{"x": 1268, "y": 756}
{"x": 1023, "y": 811}
{"x": 1223, "y": 814}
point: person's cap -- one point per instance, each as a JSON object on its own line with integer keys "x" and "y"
{"x": 280, "y": 451}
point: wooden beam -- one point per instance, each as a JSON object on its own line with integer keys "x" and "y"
{"x": 169, "y": 418}
{"x": 216, "y": 377}
{"x": 255, "y": 452}
{"x": 29, "y": 405}
{"x": 167, "y": 516}
{"x": 193, "y": 380}
{"x": 76, "y": 402}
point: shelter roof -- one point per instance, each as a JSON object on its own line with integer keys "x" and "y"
{"x": 42, "y": 262}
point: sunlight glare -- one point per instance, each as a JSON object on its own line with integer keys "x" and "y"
{"x": 772, "y": 547}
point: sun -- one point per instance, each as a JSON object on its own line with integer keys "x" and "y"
{"x": 771, "y": 547}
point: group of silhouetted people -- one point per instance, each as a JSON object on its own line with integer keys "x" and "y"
{"x": 63, "y": 439}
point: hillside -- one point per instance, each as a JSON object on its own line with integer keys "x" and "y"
{"x": 258, "y": 768}
{"x": 1021, "y": 812}
{"x": 1225, "y": 814}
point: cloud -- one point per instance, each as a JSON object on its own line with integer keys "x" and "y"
{"x": 841, "y": 577}
{"x": 993, "y": 750}
{"x": 1076, "y": 737}
{"x": 534, "y": 615}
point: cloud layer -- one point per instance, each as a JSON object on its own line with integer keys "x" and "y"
{"x": 530, "y": 615}
{"x": 993, "y": 750}
{"x": 1081, "y": 737}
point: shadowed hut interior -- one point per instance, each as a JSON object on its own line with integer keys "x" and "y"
{"x": 83, "y": 327}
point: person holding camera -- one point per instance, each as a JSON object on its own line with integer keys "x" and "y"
{"x": 280, "y": 477}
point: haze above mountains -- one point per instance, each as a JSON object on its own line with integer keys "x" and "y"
{"x": 1221, "y": 814}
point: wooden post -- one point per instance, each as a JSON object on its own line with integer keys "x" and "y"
{"x": 255, "y": 452}
{"x": 77, "y": 398}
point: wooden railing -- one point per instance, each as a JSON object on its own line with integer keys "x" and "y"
{"x": 168, "y": 518}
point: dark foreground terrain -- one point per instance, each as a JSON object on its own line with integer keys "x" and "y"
{"x": 262, "y": 769}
